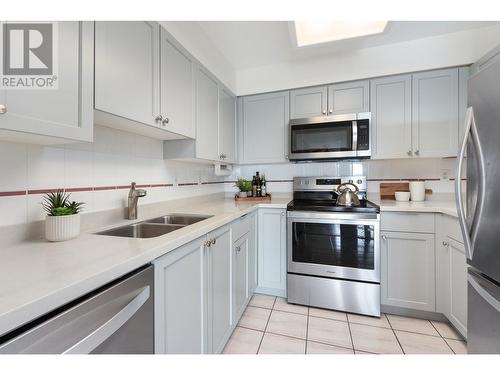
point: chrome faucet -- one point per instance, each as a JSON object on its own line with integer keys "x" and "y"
{"x": 133, "y": 195}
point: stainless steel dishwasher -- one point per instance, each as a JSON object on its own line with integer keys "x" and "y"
{"x": 117, "y": 318}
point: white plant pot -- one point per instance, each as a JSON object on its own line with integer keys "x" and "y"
{"x": 62, "y": 228}
{"x": 242, "y": 194}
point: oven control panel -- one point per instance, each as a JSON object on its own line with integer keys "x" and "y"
{"x": 327, "y": 183}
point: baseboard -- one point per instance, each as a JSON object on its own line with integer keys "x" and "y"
{"x": 396, "y": 310}
{"x": 271, "y": 291}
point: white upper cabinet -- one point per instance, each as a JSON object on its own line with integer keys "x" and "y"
{"x": 177, "y": 87}
{"x": 390, "y": 104}
{"x": 308, "y": 102}
{"x": 227, "y": 126}
{"x": 207, "y": 116}
{"x": 63, "y": 114}
{"x": 263, "y": 121}
{"x": 127, "y": 73}
{"x": 435, "y": 113}
{"x": 350, "y": 97}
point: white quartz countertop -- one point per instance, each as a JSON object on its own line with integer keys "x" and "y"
{"x": 446, "y": 207}
{"x": 37, "y": 276}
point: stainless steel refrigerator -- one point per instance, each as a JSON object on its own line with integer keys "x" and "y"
{"x": 479, "y": 209}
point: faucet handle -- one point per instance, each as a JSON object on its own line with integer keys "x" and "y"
{"x": 132, "y": 184}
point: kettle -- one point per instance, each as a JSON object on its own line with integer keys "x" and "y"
{"x": 347, "y": 196}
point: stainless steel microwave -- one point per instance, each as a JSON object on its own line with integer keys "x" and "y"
{"x": 330, "y": 137}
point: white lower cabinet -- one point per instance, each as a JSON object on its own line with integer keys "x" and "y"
{"x": 240, "y": 276}
{"x": 218, "y": 272}
{"x": 180, "y": 290}
{"x": 272, "y": 252}
{"x": 407, "y": 267}
{"x": 451, "y": 274}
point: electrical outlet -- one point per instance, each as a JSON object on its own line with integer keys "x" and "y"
{"x": 445, "y": 175}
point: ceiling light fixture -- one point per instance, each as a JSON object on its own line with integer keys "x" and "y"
{"x": 315, "y": 32}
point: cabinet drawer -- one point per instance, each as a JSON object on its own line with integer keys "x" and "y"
{"x": 241, "y": 227}
{"x": 415, "y": 222}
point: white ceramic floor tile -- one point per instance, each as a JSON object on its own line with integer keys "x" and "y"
{"x": 446, "y": 330}
{"x": 362, "y": 352}
{"x": 243, "y": 341}
{"x": 374, "y": 339}
{"x": 288, "y": 324}
{"x": 329, "y": 331}
{"x": 261, "y": 300}
{"x": 369, "y": 320}
{"x": 255, "y": 318}
{"x": 458, "y": 346}
{"x": 416, "y": 343}
{"x": 403, "y": 323}
{"x": 276, "y": 344}
{"x": 319, "y": 348}
{"x": 282, "y": 305}
{"x": 328, "y": 314}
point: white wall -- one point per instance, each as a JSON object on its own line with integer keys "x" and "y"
{"x": 452, "y": 49}
{"x": 192, "y": 37}
{"x": 114, "y": 159}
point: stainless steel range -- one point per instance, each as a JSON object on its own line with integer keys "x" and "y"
{"x": 333, "y": 250}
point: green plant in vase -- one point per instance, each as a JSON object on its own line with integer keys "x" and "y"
{"x": 63, "y": 220}
{"x": 244, "y": 186}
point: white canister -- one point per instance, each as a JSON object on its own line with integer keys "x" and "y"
{"x": 417, "y": 191}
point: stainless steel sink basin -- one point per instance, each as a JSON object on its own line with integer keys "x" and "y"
{"x": 180, "y": 219}
{"x": 141, "y": 230}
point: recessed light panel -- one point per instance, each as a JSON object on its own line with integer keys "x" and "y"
{"x": 315, "y": 32}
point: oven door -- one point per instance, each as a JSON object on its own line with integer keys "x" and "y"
{"x": 323, "y": 137}
{"x": 334, "y": 245}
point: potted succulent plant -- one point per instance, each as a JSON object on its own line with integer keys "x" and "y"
{"x": 245, "y": 187}
{"x": 63, "y": 216}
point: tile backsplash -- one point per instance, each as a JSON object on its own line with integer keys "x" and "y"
{"x": 97, "y": 173}
{"x": 438, "y": 173}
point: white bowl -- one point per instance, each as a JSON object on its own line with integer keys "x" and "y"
{"x": 402, "y": 196}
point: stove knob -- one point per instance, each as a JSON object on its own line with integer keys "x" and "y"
{"x": 360, "y": 182}
{"x": 350, "y": 181}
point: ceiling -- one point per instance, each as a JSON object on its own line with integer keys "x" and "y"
{"x": 248, "y": 44}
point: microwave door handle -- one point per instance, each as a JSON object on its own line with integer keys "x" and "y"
{"x": 354, "y": 135}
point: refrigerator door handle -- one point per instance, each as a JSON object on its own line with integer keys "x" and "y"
{"x": 469, "y": 118}
{"x": 492, "y": 301}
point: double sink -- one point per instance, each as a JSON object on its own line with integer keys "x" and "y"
{"x": 155, "y": 227}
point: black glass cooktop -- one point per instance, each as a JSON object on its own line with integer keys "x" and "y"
{"x": 331, "y": 206}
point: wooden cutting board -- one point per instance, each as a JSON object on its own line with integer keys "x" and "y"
{"x": 387, "y": 189}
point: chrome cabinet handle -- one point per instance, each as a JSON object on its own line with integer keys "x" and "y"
{"x": 446, "y": 244}
{"x": 330, "y": 111}
{"x": 324, "y": 112}
{"x": 409, "y": 153}
{"x": 102, "y": 333}
{"x": 159, "y": 118}
{"x": 384, "y": 237}
{"x": 238, "y": 249}
{"x": 208, "y": 243}
{"x": 165, "y": 121}
{"x": 417, "y": 152}
{"x": 3, "y": 109}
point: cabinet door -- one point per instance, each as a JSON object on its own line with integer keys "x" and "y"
{"x": 240, "y": 276}
{"x": 272, "y": 251}
{"x": 127, "y": 70}
{"x": 408, "y": 278}
{"x": 308, "y": 102}
{"x": 390, "y": 104}
{"x": 227, "y": 126}
{"x": 351, "y": 97}
{"x": 435, "y": 113}
{"x": 252, "y": 255}
{"x": 177, "y": 87}
{"x": 458, "y": 286}
{"x": 207, "y": 116}
{"x": 264, "y": 128}
{"x": 219, "y": 295}
{"x": 62, "y": 114}
{"x": 179, "y": 295}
